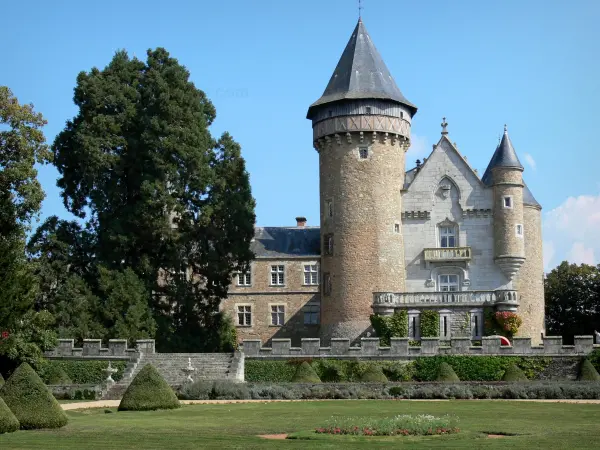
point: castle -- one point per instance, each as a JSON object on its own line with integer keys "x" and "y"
{"x": 434, "y": 237}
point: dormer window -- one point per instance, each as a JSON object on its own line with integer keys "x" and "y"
{"x": 368, "y": 109}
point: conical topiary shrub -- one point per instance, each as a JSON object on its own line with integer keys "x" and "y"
{"x": 148, "y": 391}
{"x": 446, "y": 374}
{"x": 514, "y": 373}
{"x": 8, "y": 421}
{"x": 305, "y": 374}
{"x": 587, "y": 372}
{"x": 30, "y": 401}
{"x": 56, "y": 375}
{"x": 373, "y": 374}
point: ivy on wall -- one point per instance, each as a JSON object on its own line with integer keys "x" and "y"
{"x": 387, "y": 327}
{"x": 430, "y": 323}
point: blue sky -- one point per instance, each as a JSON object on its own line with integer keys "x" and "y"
{"x": 531, "y": 64}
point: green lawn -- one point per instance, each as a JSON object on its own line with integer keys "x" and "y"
{"x": 536, "y": 425}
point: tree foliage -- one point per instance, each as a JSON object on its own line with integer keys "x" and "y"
{"x": 165, "y": 199}
{"x": 572, "y": 294}
{"x": 25, "y": 332}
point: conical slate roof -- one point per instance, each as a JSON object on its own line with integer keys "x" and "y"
{"x": 361, "y": 74}
{"x": 528, "y": 198}
{"x": 504, "y": 156}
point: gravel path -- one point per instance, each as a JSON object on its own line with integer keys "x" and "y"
{"x": 115, "y": 403}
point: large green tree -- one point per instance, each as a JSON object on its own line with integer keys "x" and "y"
{"x": 22, "y": 145}
{"x": 164, "y": 197}
{"x": 572, "y": 294}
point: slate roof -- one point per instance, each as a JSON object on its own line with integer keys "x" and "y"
{"x": 528, "y": 198}
{"x": 361, "y": 74}
{"x": 286, "y": 242}
{"x": 504, "y": 156}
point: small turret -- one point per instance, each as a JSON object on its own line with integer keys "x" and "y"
{"x": 505, "y": 175}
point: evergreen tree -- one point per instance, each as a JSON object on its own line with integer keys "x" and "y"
{"x": 22, "y": 145}
{"x": 166, "y": 199}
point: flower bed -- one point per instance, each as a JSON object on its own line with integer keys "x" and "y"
{"x": 402, "y": 425}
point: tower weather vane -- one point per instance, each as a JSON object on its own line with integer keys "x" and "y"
{"x": 360, "y": 7}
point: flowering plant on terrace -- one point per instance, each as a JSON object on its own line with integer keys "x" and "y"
{"x": 508, "y": 321}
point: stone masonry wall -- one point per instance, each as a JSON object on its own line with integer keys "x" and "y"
{"x": 368, "y": 252}
{"x": 508, "y": 183}
{"x": 530, "y": 279}
{"x": 468, "y": 205}
{"x": 261, "y": 295}
{"x": 400, "y": 348}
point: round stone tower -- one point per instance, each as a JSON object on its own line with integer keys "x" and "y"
{"x": 361, "y": 129}
{"x": 509, "y": 236}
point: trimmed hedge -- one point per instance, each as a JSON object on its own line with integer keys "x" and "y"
{"x": 148, "y": 391}
{"x": 8, "y": 421}
{"x": 468, "y": 368}
{"x": 1, "y": 380}
{"x": 305, "y": 374}
{"x": 587, "y": 372}
{"x": 30, "y": 400}
{"x": 213, "y": 390}
{"x": 82, "y": 372}
{"x": 513, "y": 373}
{"x": 447, "y": 374}
{"x": 373, "y": 374}
{"x": 56, "y": 375}
{"x": 463, "y": 390}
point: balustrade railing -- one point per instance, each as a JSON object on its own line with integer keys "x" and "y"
{"x": 423, "y": 298}
{"x": 448, "y": 254}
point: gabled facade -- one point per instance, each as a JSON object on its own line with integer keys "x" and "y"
{"x": 435, "y": 237}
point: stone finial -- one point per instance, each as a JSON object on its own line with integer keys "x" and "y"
{"x": 505, "y": 129}
{"x": 444, "y": 126}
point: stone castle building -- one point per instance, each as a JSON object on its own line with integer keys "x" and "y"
{"x": 434, "y": 237}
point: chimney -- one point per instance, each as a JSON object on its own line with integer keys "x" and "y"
{"x": 300, "y": 221}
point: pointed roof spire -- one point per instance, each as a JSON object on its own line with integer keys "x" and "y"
{"x": 504, "y": 156}
{"x": 361, "y": 74}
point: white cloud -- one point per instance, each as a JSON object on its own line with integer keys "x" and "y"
{"x": 572, "y": 232}
{"x": 419, "y": 149}
{"x": 530, "y": 161}
{"x": 579, "y": 254}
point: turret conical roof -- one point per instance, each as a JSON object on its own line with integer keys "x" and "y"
{"x": 504, "y": 156}
{"x": 361, "y": 74}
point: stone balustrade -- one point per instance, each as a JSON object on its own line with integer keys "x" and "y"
{"x": 447, "y": 254}
{"x": 92, "y": 349}
{"x": 400, "y": 348}
{"x": 385, "y": 302}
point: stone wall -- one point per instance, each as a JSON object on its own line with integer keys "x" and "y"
{"x": 295, "y": 296}
{"x": 468, "y": 204}
{"x": 400, "y": 348}
{"x": 92, "y": 349}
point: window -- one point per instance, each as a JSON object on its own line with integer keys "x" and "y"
{"x": 328, "y": 246}
{"x": 311, "y": 274}
{"x": 363, "y": 152}
{"x": 244, "y": 279}
{"x": 414, "y": 325}
{"x": 327, "y": 284}
{"x": 445, "y": 324}
{"x": 396, "y": 228}
{"x": 507, "y": 201}
{"x": 277, "y": 315}
{"x": 476, "y": 324}
{"x": 277, "y": 275}
{"x": 519, "y": 230}
{"x": 448, "y": 283}
{"x": 368, "y": 109}
{"x": 447, "y": 237}
{"x": 244, "y": 315}
{"x": 311, "y": 314}
{"x": 328, "y": 208}
{"x": 330, "y": 113}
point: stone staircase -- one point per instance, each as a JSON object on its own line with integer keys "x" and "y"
{"x": 209, "y": 366}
